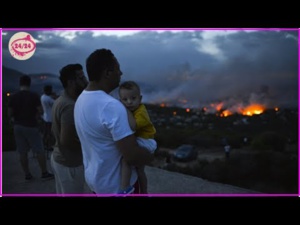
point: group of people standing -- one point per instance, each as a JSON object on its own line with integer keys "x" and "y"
{"x": 100, "y": 140}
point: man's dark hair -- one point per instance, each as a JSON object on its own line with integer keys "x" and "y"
{"x": 68, "y": 72}
{"x": 129, "y": 85}
{"x": 48, "y": 89}
{"x": 99, "y": 61}
{"x": 25, "y": 81}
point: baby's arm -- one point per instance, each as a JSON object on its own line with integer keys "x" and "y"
{"x": 131, "y": 120}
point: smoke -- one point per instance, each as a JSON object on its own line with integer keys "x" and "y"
{"x": 187, "y": 69}
{"x": 200, "y": 88}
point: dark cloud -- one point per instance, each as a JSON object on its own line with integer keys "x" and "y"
{"x": 171, "y": 68}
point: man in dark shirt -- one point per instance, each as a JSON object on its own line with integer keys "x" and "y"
{"x": 66, "y": 159}
{"x": 23, "y": 109}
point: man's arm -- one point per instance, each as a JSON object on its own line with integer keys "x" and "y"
{"x": 68, "y": 137}
{"x": 39, "y": 114}
{"x": 133, "y": 153}
{"x": 10, "y": 114}
{"x": 40, "y": 110}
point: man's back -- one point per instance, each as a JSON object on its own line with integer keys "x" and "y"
{"x": 23, "y": 108}
{"x": 100, "y": 121}
{"x": 62, "y": 112}
{"x": 24, "y": 104}
{"x": 47, "y": 103}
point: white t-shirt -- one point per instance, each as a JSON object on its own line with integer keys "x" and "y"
{"x": 47, "y": 103}
{"x": 100, "y": 121}
{"x": 227, "y": 148}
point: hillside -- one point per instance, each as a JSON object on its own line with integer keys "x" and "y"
{"x": 10, "y": 81}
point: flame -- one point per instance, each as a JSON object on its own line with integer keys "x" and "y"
{"x": 276, "y": 109}
{"x": 253, "y": 109}
{"x": 226, "y": 113}
{"x": 7, "y": 94}
{"x": 248, "y": 110}
{"x": 219, "y": 106}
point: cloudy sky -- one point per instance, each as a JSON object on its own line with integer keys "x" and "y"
{"x": 183, "y": 67}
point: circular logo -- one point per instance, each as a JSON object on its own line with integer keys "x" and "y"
{"x": 21, "y": 46}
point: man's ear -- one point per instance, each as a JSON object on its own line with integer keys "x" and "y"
{"x": 107, "y": 73}
{"x": 70, "y": 82}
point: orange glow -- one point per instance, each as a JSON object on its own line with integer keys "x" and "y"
{"x": 219, "y": 106}
{"x": 174, "y": 113}
{"x": 43, "y": 77}
{"x": 162, "y": 105}
{"x": 226, "y": 113}
{"x": 183, "y": 101}
{"x": 253, "y": 109}
{"x": 276, "y": 109}
{"x": 7, "y": 94}
{"x": 187, "y": 110}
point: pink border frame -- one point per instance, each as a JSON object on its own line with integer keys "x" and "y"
{"x": 150, "y": 195}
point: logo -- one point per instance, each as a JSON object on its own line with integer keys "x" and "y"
{"x": 21, "y": 46}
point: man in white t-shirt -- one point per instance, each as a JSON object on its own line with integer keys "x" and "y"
{"x": 227, "y": 151}
{"x": 103, "y": 129}
{"x": 47, "y": 103}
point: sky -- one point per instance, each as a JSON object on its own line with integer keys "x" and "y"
{"x": 189, "y": 68}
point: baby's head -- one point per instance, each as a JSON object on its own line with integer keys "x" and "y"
{"x": 130, "y": 95}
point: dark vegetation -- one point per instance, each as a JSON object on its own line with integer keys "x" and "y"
{"x": 271, "y": 164}
{"x": 266, "y": 172}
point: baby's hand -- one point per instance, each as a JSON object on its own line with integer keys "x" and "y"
{"x": 131, "y": 120}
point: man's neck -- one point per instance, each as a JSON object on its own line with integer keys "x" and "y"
{"x": 69, "y": 92}
{"x": 97, "y": 86}
{"x": 24, "y": 88}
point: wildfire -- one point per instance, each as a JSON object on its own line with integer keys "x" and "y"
{"x": 219, "y": 106}
{"x": 222, "y": 109}
{"x": 253, "y": 109}
{"x": 250, "y": 110}
{"x": 225, "y": 113}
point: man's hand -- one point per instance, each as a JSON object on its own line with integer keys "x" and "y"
{"x": 133, "y": 153}
{"x": 11, "y": 121}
